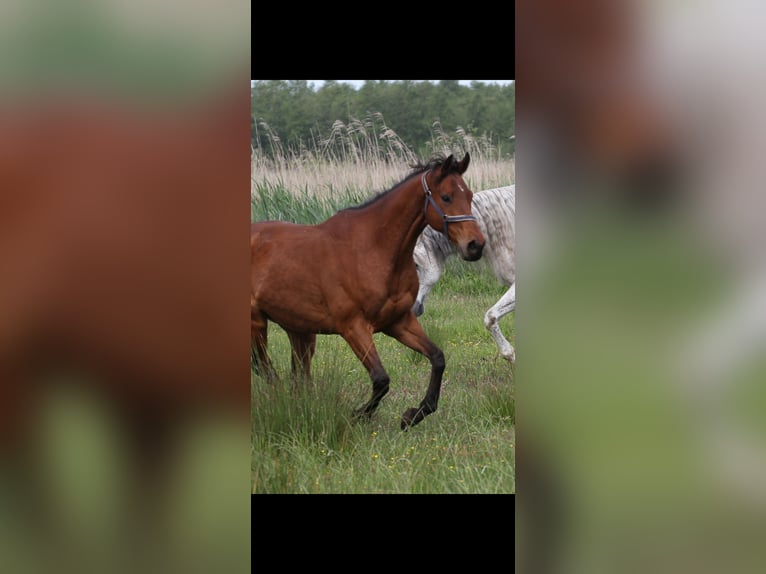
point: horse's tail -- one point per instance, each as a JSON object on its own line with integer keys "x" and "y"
{"x": 253, "y": 358}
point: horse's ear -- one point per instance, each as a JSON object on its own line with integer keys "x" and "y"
{"x": 447, "y": 165}
{"x": 463, "y": 164}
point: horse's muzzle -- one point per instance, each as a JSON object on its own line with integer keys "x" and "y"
{"x": 473, "y": 250}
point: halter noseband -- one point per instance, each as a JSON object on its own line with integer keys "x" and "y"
{"x": 447, "y": 219}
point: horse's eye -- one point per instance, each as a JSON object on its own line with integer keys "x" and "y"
{"x": 446, "y": 198}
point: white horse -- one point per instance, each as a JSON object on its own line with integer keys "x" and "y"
{"x": 495, "y": 211}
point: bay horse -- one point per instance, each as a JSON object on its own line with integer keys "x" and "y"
{"x": 495, "y": 211}
{"x": 354, "y": 275}
{"x": 104, "y": 284}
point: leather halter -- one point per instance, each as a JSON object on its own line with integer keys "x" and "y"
{"x": 446, "y": 219}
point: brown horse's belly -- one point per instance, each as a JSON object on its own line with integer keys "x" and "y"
{"x": 299, "y": 307}
{"x": 320, "y": 323}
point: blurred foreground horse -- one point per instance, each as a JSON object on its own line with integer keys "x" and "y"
{"x": 586, "y": 113}
{"x": 495, "y": 211}
{"x": 123, "y": 249}
{"x": 354, "y": 275}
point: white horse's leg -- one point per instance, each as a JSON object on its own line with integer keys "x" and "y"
{"x": 429, "y": 262}
{"x": 420, "y": 301}
{"x": 505, "y": 305}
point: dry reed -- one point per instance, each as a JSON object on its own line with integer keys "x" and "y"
{"x": 365, "y": 156}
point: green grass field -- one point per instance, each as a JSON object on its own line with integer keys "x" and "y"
{"x": 303, "y": 439}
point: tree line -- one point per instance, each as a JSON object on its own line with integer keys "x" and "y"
{"x": 300, "y": 115}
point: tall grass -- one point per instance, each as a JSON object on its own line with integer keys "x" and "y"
{"x": 304, "y": 440}
{"x": 361, "y": 156}
{"x": 274, "y": 200}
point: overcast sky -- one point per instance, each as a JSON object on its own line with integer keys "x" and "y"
{"x": 358, "y": 83}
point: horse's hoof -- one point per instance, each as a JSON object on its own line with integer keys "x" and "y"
{"x": 360, "y": 414}
{"x": 408, "y": 418}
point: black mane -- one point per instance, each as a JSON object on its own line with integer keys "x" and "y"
{"x": 433, "y": 163}
{"x": 416, "y": 169}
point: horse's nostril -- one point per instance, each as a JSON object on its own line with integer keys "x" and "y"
{"x": 475, "y": 247}
{"x": 473, "y": 250}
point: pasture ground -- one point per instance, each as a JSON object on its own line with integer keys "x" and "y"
{"x": 303, "y": 440}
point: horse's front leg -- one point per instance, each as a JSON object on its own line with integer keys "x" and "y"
{"x": 359, "y": 338}
{"x": 505, "y": 305}
{"x": 409, "y": 332}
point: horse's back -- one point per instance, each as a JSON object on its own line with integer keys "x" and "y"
{"x": 285, "y": 239}
{"x": 496, "y": 213}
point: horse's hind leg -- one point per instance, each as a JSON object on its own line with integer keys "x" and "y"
{"x": 505, "y": 305}
{"x": 258, "y": 345}
{"x": 303, "y": 345}
{"x": 410, "y": 333}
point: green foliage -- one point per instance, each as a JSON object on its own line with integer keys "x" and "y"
{"x": 297, "y": 115}
{"x": 51, "y": 49}
{"x": 467, "y": 278}
{"x": 271, "y": 201}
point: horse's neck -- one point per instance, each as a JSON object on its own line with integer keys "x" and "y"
{"x": 396, "y": 220}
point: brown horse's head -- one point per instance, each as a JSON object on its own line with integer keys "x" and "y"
{"x": 448, "y": 206}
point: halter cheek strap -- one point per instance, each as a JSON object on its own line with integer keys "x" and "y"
{"x": 446, "y": 219}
